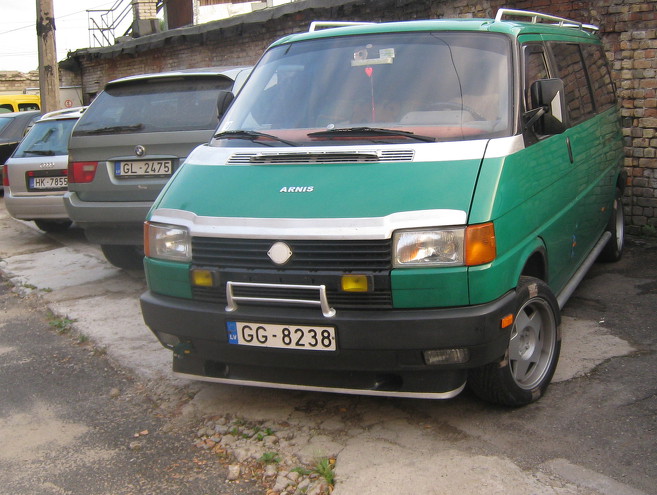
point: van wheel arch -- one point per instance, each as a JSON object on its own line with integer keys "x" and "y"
{"x": 523, "y": 374}
{"x": 536, "y": 265}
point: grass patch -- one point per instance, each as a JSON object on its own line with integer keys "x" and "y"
{"x": 61, "y": 325}
{"x": 270, "y": 458}
{"x": 324, "y": 468}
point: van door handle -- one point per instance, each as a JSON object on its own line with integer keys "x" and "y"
{"x": 570, "y": 150}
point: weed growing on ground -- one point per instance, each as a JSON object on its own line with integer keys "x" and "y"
{"x": 62, "y": 325}
{"x": 270, "y": 458}
{"x": 324, "y": 468}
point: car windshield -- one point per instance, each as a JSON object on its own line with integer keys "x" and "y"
{"x": 47, "y": 138}
{"x": 174, "y": 104}
{"x": 436, "y": 85}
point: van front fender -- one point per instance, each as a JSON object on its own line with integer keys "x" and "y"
{"x": 488, "y": 282}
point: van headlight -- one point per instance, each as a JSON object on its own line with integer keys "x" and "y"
{"x": 455, "y": 246}
{"x": 415, "y": 248}
{"x": 167, "y": 242}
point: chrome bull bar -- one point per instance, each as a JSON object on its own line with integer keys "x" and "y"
{"x": 322, "y": 302}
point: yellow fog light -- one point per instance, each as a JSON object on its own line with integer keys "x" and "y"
{"x": 355, "y": 283}
{"x": 202, "y": 277}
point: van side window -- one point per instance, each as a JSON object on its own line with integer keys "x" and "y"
{"x": 604, "y": 95}
{"x": 535, "y": 69}
{"x": 570, "y": 68}
{"x": 25, "y": 107}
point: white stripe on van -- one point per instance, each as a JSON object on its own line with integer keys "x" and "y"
{"x": 417, "y": 152}
{"x": 308, "y": 228}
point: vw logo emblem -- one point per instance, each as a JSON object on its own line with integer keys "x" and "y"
{"x": 280, "y": 253}
{"x": 140, "y": 150}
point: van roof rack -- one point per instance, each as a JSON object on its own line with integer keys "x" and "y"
{"x": 317, "y": 25}
{"x": 537, "y": 17}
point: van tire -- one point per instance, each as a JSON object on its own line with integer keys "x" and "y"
{"x": 53, "y": 226}
{"x": 122, "y": 256}
{"x": 614, "y": 248}
{"x": 523, "y": 374}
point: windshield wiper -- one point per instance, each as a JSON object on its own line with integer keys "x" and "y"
{"x": 369, "y": 132}
{"x": 116, "y": 129}
{"x": 40, "y": 152}
{"x": 253, "y": 136}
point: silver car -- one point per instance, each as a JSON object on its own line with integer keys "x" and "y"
{"x": 36, "y": 174}
{"x": 126, "y": 146}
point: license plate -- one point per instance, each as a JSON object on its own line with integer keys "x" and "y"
{"x": 142, "y": 169}
{"x": 44, "y": 183}
{"x": 281, "y": 336}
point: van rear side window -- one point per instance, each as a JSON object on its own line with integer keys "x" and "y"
{"x": 570, "y": 67}
{"x": 604, "y": 94}
{"x": 26, "y": 107}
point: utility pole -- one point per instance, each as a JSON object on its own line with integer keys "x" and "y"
{"x": 48, "y": 68}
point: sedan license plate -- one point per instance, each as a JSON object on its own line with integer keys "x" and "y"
{"x": 281, "y": 336}
{"x": 143, "y": 169}
{"x": 47, "y": 183}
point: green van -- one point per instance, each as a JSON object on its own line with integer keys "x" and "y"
{"x": 395, "y": 209}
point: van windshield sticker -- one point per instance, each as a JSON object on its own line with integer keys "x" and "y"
{"x": 386, "y": 56}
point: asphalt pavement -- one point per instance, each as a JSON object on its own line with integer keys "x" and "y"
{"x": 73, "y": 423}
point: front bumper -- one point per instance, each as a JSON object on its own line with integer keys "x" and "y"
{"x": 379, "y": 352}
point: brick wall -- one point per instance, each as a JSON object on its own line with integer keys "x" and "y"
{"x": 13, "y": 82}
{"x": 144, "y": 9}
{"x": 628, "y": 30}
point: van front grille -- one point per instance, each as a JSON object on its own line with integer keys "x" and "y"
{"x": 358, "y": 255}
{"x": 312, "y": 262}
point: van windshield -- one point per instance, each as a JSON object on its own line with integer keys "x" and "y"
{"x": 436, "y": 85}
{"x": 174, "y": 104}
{"x": 47, "y": 138}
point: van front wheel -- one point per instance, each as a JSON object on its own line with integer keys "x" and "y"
{"x": 525, "y": 371}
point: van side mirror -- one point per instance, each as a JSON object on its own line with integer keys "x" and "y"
{"x": 224, "y": 100}
{"x": 548, "y": 107}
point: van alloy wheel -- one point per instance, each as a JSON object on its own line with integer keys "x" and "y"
{"x": 614, "y": 248}
{"x": 532, "y": 343}
{"x": 525, "y": 371}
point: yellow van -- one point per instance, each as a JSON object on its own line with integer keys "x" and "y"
{"x": 19, "y": 103}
